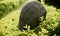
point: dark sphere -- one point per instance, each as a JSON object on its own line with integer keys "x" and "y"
{"x": 55, "y": 3}
{"x": 30, "y": 14}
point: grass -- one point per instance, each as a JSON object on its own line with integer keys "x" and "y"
{"x": 8, "y": 7}
{"x": 8, "y": 24}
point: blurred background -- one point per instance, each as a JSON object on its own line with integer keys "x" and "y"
{"x": 9, "y": 17}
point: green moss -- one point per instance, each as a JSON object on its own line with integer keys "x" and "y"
{"x": 8, "y": 24}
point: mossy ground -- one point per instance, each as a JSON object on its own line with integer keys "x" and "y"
{"x": 8, "y": 24}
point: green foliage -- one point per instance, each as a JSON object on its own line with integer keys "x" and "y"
{"x": 8, "y": 24}
{"x": 1, "y": 34}
{"x": 5, "y": 8}
{"x": 1, "y": 0}
{"x": 21, "y": 2}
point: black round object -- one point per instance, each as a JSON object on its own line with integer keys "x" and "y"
{"x": 30, "y": 14}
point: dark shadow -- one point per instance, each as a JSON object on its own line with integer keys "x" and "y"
{"x": 55, "y": 3}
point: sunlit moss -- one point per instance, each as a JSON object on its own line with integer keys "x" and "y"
{"x": 8, "y": 24}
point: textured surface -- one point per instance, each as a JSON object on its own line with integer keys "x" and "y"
{"x": 8, "y": 24}
{"x": 30, "y": 14}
